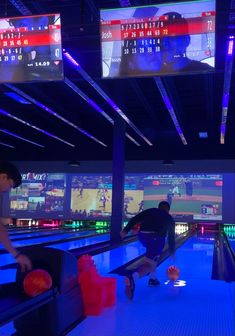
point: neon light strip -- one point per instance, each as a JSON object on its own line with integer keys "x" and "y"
{"x": 21, "y": 138}
{"x": 95, "y": 106}
{"x": 227, "y": 85}
{"x": 21, "y": 7}
{"x": 47, "y": 109}
{"x": 35, "y": 127}
{"x": 132, "y": 139}
{"x": 4, "y": 144}
{"x": 170, "y": 108}
{"x": 85, "y": 75}
{"x": 88, "y": 100}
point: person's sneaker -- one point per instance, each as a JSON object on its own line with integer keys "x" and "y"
{"x": 153, "y": 282}
{"x": 130, "y": 286}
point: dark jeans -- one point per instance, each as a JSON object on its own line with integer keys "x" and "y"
{"x": 153, "y": 242}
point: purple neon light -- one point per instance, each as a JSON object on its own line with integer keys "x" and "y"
{"x": 230, "y": 47}
{"x": 21, "y": 138}
{"x": 85, "y": 75}
{"x": 95, "y": 106}
{"x": 170, "y": 108}
{"x": 132, "y": 139}
{"x": 47, "y": 109}
{"x": 87, "y": 99}
{"x": 35, "y": 127}
{"x": 71, "y": 59}
{"x": 4, "y": 144}
{"x": 225, "y": 100}
{"x": 18, "y": 4}
{"x": 226, "y": 89}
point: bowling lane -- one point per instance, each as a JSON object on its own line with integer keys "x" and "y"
{"x": 8, "y": 259}
{"x": 136, "y": 247}
{"x": 52, "y": 239}
{"x": 25, "y": 231}
{"x": 66, "y": 246}
{"x": 232, "y": 243}
{"x": 194, "y": 305}
{"x": 44, "y": 233}
{"x": 86, "y": 242}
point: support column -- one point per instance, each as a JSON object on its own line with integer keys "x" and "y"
{"x": 118, "y": 178}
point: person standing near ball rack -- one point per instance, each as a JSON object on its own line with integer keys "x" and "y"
{"x": 155, "y": 225}
{"x": 11, "y": 178}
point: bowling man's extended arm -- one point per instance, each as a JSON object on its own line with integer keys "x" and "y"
{"x": 23, "y": 260}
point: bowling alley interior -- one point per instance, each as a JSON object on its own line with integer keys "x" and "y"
{"x": 117, "y": 168}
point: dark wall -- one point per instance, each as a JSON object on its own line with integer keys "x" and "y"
{"x": 203, "y": 166}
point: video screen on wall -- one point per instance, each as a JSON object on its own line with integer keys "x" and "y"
{"x": 192, "y": 197}
{"x": 91, "y": 196}
{"x": 161, "y": 39}
{"x": 30, "y": 48}
{"x": 39, "y": 196}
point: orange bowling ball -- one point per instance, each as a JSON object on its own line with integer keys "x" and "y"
{"x": 36, "y": 282}
{"x": 173, "y": 273}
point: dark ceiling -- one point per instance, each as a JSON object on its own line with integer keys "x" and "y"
{"x": 197, "y": 99}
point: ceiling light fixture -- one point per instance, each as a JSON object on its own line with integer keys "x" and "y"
{"x": 74, "y": 163}
{"x": 17, "y": 98}
{"x": 35, "y": 127}
{"x": 91, "y": 81}
{"x": 203, "y": 135}
{"x": 48, "y": 110}
{"x": 170, "y": 108}
{"x": 168, "y": 162}
{"x": 19, "y": 137}
{"x": 4, "y": 144}
{"x": 94, "y": 105}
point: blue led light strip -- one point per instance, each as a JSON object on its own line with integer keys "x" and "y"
{"x": 95, "y": 106}
{"x": 21, "y": 138}
{"x": 132, "y": 139}
{"x": 87, "y": 99}
{"x": 35, "y": 127}
{"x": 21, "y": 7}
{"x": 4, "y": 144}
{"x": 47, "y": 109}
{"x": 170, "y": 108}
{"x": 85, "y": 75}
{"x": 227, "y": 84}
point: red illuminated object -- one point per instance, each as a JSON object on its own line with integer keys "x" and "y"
{"x": 173, "y": 273}
{"x": 36, "y": 282}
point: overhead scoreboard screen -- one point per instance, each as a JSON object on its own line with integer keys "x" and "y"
{"x": 30, "y": 48}
{"x": 161, "y": 39}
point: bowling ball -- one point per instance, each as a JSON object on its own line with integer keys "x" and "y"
{"x": 36, "y": 282}
{"x": 173, "y": 273}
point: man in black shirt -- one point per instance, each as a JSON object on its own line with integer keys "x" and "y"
{"x": 155, "y": 225}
